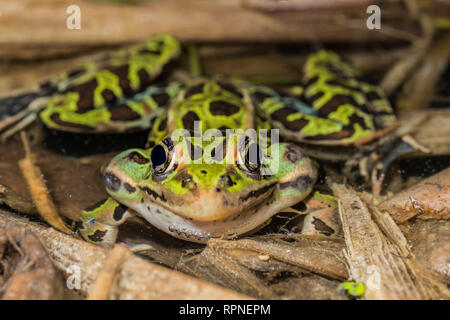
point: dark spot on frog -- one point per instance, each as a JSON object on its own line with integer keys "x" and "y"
{"x": 322, "y": 227}
{"x": 86, "y": 95}
{"x": 144, "y": 78}
{"x": 316, "y": 96}
{"x": 111, "y": 182}
{"x": 193, "y": 90}
{"x": 204, "y": 172}
{"x": 109, "y": 95}
{"x": 137, "y": 158}
{"x": 301, "y": 183}
{"x": 281, "y": 116}
{"x": 123, "y": 113}
{"x": 311, "y": 81}
{"x": 186, "y": 180}
{"x": 256, "y": 193}
{"x": 335, "y": 102}
{"x": 96, "y": 205}
{"x": 154, "y": 194}
{"x": 230, "y": 88}
{"x": 161, "y": 99}
{"x": 129, "y": 187}
{"x": 227, "y": 181}
{"x": 122, "y": 73}
{"x": 188, "y": 120}
{"x": 97, "y": 236}
{"x": 223, "y": 108}
{"x": 259, "y": 97}
{"x": 372, "y": 95}
{"x": 119, "y": 211}
{"x": 162, "y": 124}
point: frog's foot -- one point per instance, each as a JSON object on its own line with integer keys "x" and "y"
{"x": 322, "y": 217}
{"x": 322, "y": 223}
{"x": 99, "y": 223}
{"x": 374, "y": 160}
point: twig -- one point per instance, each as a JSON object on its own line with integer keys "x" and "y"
{"x": 102, "y": 286}
{"x": 38, "y": 188}
{"x": 139, "y": 278}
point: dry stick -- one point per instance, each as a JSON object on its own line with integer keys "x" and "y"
{"x": 419, "y": 89}
{"x": 38, "y": 188}
{"x": 102, "y": 285}
{"x": 430, "y": 128}
{"x": 398, "y": 73}
{"x": 378, "y": 255}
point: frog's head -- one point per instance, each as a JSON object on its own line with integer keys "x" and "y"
{"x": 169, "y": 176}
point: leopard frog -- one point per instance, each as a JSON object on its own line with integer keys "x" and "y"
{"x": 202, "y": 174}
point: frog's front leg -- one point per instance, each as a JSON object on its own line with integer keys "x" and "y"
{"x": 99, "y": 223}
{"x": 321, "y": 216}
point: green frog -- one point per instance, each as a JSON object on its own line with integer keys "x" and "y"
{"x": 214, "y": 165}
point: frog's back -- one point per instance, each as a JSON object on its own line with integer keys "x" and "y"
{"x": 211, "y": 104}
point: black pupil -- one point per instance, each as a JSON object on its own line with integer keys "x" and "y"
{"x": 253, "y": 156}
{"x": 158, "y": 156}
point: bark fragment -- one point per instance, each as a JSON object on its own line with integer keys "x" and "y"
{"x": 428, "y": 199}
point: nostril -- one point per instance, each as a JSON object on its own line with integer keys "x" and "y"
{"x": 111, "y": 182}
{"x": 227, "y": 181}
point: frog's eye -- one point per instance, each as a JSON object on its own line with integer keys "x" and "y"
{"x": 161, "y": 157}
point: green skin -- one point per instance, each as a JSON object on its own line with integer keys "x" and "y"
{"x": 197, "y": 201}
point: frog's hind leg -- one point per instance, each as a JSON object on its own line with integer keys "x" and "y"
{"x": 99, "y": 223}
{"x": 374, "y": 160}
{"x": 300, "y": 122}
{"x": 17, "y": 112}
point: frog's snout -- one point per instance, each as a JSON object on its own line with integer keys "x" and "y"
{"x": 121, "y": 170}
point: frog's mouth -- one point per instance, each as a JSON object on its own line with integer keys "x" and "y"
{"x": 198, "y": 205}
{"x": 209, "y": 205}
{"x": 201, "y": 231}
